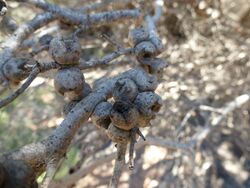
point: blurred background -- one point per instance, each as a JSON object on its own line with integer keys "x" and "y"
{"x": 205, "y": 90}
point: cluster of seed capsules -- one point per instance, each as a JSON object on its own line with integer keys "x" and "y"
{"x": 69, "y": 81}
{"x": 132, "y": 106}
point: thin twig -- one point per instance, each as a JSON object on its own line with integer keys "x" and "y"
{"x": 119, "y": 165}
{"x": 190, "y": 112}
{"x": 76, "y": 18}
{"x": 229, "y": 107}
{"x": 184, "y": 121}
{"x": 236, "y": 103}
{"x": 140, "y": 134}
{"x": 210, "y": 108}
{"x": 50, "y": 172}
{"x": 151, "y": 27}
{"x": 111, "y": 41}
{"x": 158, "y": 4}
{"x": 35, "y": 71}
{"x": 132, "y": 148}
{"x": 26, "y": 29}
{"x": 105, "y": 60}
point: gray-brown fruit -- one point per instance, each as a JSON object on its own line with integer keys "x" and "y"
{"x": 125, "y": 89}
{"x": 145, "y": 49}
{"x": 124, "y": 115}
{"x": 69, "y": 82}
{"x": 143, "y": 80}
{"x": 65, "y": 51}
{"x": 118, "y": 135}
{"x": 15, "y": 70}
{"x": 148, "y": 103}
{"x": 138, "y": 35}
{"x": 100, "y": 116}
{"x": 84, "y": 93}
